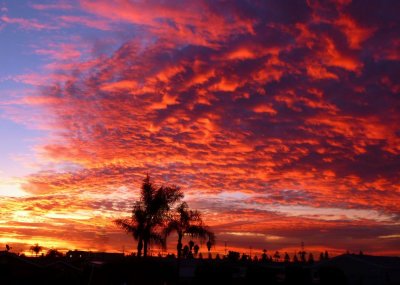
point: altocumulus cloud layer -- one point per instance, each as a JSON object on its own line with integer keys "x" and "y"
{"x": 279, "y": 119}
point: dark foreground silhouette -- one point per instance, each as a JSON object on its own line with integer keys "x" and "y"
{"x": 157, "y": 213}
{"x": 103, "y": 268}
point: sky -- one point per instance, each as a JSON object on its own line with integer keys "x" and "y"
{"x": 278, "y": 119}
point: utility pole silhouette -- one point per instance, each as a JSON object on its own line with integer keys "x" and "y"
{"x": 225, "y": 247}
{"x": 302, "y": 253}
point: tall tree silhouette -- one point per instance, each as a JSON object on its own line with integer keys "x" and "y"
{"x": 150, "y": 214}
{"x": 187, "y": 222}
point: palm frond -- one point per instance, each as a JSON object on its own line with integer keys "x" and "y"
{"x": 158, "y": 238}
{"x": 172, "y": 226}
{"x": 195, "y": 216}
{"x": 128, "y": 226}
{"x": 211, "y": 236}
{"x": 197, "y": 231}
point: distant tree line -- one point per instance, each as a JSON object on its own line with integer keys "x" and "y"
{"x": 300, "y": 257}
{"x": 191, "y": 250}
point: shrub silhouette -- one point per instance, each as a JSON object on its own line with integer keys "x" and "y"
{"x": 36, "y": 249}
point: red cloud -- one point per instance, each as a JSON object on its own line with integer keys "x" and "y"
{"x": 275, "y": 124}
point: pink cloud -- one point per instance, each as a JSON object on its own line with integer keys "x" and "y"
{"x": 53, "y": 6}
{"x": 63, "y": 52}
{"x": 99, "y": 24}
{"x": 274, "y": 122}
{"x": 26, "y": 24}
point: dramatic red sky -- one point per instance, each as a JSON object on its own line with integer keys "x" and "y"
{"x": 279, "y": 120}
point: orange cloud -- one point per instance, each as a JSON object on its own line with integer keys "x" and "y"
{"x": 279, "y": 126}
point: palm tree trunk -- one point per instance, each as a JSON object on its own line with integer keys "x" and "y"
{"x": 145, "y": 244}
{"x": 179, "y": 252}
{"x": 140, "y": 247}
{"x": 179, "y": 245}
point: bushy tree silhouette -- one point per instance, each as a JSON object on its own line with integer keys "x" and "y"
{"x": 302, "y": 255}
{"x": 150, "y": 214}
{"x": 191, "y": 245}
{"x": 277, "y": 256}
{"x": 233, "y": 255}
{"x": 264, "y": 255}
{"x": 311, "y": 258}
{"x": 36, "y": 249}
{"x": 287, "y": 258}
{"x": 196, "y": 249}
{"x": 185, "y": 251}
{"x": 53, "y": 253}
{"x": 209, "y": 244}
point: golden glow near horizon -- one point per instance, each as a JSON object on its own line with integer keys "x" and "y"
{"x": 11, "y": 189}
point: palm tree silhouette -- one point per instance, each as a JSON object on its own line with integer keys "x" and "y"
{"x": 149, "y": 214}
{"x": 36, "y": 249}
{"x": 187, "y": 222}
{"x": 135, "y": 225}
{"x": 191, "y": 245}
